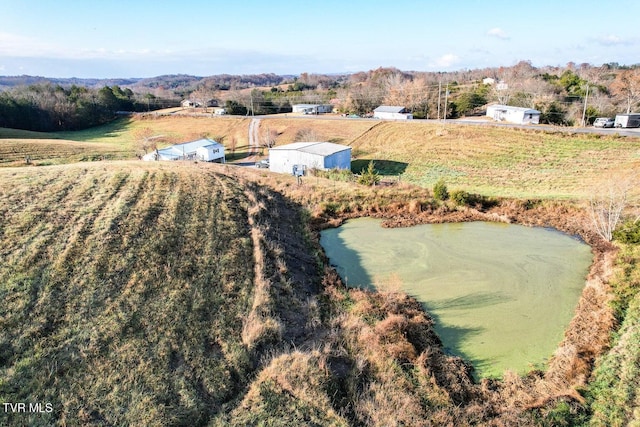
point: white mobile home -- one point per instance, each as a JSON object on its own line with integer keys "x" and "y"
{"x": 519, "y": 115}
{"x": 627, "y": 120}
{"x": 392, "y": 112}
{"x": 311, "y": 108}
{"x": 206, "y": 150}
{"x": 310, "y": 155}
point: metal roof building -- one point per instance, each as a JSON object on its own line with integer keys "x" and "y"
{"x": 206, "y": 150}
{"x": 392, "y": 112}
{"x": 310, "y": 155}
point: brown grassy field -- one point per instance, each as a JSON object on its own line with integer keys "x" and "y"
{"x": 492, "y": 161}
{"x": 501, "y": 161}
{"x": 196, "y": 294}
{"x": 43, "y": 152}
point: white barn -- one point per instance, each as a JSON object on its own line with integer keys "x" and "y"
{"x": 309, "y": 155}
{"x": 206, "y": 150}
{"x": 391, "y": 112}
{"x": 311, "y": 108}
{"x": 519, "y": 115}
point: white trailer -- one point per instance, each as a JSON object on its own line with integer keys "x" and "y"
{"x": 627, "y": 120}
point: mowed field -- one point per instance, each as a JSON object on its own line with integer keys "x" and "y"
{"x": 492, "y": 161}
{"x": 498, "y": 161}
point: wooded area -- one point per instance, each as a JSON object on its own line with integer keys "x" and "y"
{"x": 564, "y": 95}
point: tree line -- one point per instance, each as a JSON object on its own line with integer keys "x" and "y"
{"x": 47, "y": 107}
{"x": 564, "y": 95}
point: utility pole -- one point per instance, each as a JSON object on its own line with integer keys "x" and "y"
{"x": 584, "y": 110}
{"x": 439, "y": 92}
{"x": 446, "y": 96}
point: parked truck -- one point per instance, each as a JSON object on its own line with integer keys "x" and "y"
{"x": 627, "y": 120}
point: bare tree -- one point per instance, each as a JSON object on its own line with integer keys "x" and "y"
{"x": 144, "y": 139}
{"x": 308, "y": 135}
{"x": 268, "y": 138}
{"x": 627, "y": 86}
{"x": 203, "y": 95}
{"x": 233, "y": 144}
{"x": 606, "y": 208}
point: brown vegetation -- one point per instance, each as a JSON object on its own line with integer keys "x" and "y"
{"x": 197, "y": 293}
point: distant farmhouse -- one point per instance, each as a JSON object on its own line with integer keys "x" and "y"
{"x": 519, "y": 115}
{"x": 206, "y": 150}
{"x": 309, "y": 155}
{"x": 391, "y": 112}
{"x": 187, "y": 103}
{"x": 312, "y": 108}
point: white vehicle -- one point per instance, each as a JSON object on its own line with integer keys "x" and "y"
{"x": 603, "y": 122}
{"x": 627, "y": 120}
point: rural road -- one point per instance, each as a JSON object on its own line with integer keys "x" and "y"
{"x": 254, "y": 142}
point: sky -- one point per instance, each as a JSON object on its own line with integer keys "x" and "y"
{"x": 147, "y": 38}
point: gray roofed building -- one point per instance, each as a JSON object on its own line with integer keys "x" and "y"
{"x": 392, "y": 112}
{"x": 311, "y": 155}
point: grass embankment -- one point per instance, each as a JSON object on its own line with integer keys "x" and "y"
{"x": 171, "y": 294}
{"x": 126, "y": 291}
{"x": 614, "y": 392}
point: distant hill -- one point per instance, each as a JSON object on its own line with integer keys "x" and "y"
{"x": 170, "y": 81}
{"x": 12, "y": 81}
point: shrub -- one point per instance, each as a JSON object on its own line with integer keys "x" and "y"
{"x": 440, "y": 191}
{"x": 370, "y": 176}
{"x": 628, "y": 232}
{"x": 344, "y": 175}
{"x": 460, "y": 197}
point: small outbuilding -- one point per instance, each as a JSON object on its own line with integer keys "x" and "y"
{"x": 392, "y": 112}
{"x": 311, "y": 108}
{"x": 519, "y": 115}
{"x": 205, "y": 149}
{"x": 309, "y": 155}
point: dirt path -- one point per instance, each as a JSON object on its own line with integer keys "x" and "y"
{"x": 254, "y": 140}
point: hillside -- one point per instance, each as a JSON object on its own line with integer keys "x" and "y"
{"x": 130, "y": 293}
{"x": 196, "y": 294}
{"x": 500, "y": 161}
{"x": 168, "y": 294}
{"x": 493, "y": 161}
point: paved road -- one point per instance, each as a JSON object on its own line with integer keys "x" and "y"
{"x": 476, "y": 122}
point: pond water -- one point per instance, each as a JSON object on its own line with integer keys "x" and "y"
{"x": 501, "y": 295}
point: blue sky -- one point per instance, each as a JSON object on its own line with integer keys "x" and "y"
{"x": 145, "y": 38}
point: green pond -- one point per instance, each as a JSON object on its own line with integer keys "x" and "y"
{"x": 501, "y": 295}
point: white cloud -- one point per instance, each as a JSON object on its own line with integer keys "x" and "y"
{"x": 446, "y": 61}
{"x": 611, "y": 40}
{"x": 498, "y": 33}
{"x": 19, "y": 46}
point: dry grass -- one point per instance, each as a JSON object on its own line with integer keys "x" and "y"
{"x": 124, "y": 289}
{"x": 332, "y": 130}
{"x": 493, "y": 161}
{"x": 41, "y": 152}
{"x": 500, "y": 161}
{"x": 153, "y": 293}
